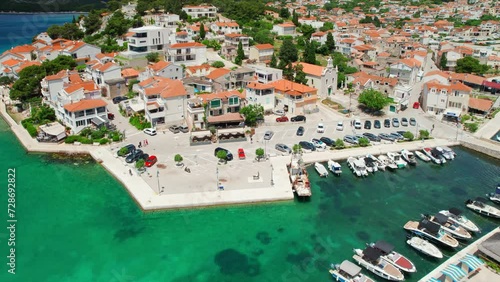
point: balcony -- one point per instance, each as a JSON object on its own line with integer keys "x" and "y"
{"x": 195, "y": 108}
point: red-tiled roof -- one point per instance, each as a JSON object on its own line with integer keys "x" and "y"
{"x": 480, "y": 104}
{"x": 216, "y": 73}
{"x": 85, "y": 105}
{"x": 159, "y": 65}
{"x": 311, "y": 69}
{"x": 264, "y": 46}
{"x": 258, "y": 85}
{"x": 130, "y": 72}
{"x": 187, "y": 45}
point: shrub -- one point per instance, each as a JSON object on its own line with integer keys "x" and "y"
{"x": 408, "y": 135}
{"x": 71, "y": 139}
{"x": 97, "y": 134}
{"x": 178, "y": 158}
{"x": 339, "y": 144}
{"x": 103, "y": 141}
{"x": 472, "y": 127}
{"x": 218, "y": 64}
{"x": 31, "y": 129}
{"x": 86, "y": 132}
{"x": 424, "y": 134}
{"x": 85, "y": 140}
{"x": 259, "y": 152}
{"x": 25, "y": 122}
{"x": 139, "y": 122}
{"x": 139, "y": 164}
{"x": 123, "y": 151}
{"x": 363, "y": 142}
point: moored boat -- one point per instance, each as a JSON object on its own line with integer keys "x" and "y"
{"x": 320, "y": 169}
{"x": 396, "y": 158}
{"x": 388, "y": 162}
{"x": 348, "y": 272}
{"x": 432, "y": 231}
{"x": 424, "y": 247}
{"x": 370, "y": 259}
{"x": 370, "y": 164}
{"x": 478, "y": 205}
{"x": 380, "y": 164}
{"x": 438, "y": 154}
{"x": 299, "y": 179}
{"x": 495, "y": 196}
{"x": 427, "y": 152}
{"x": 408, "y": 157}
{"x": 393, "y": 257}
{"x": 422, "y": 156}
{"x": 357, "y": 167}
{"x": 334, "y": 167}
{"x": 361, "y": 160}
{"x": 456, "y": 216}
{"x": 448, "y": 150}
{"x": 449, "y": 226}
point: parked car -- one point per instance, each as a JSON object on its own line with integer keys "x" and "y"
{"x": 282, "y": 119}
{"x": 357, "y": 124}
{"x": 283, "y": 148}
{"x": 372, "y": 137}
{"x": 184, "y": 129}
{"x": 143, "y": 156}
{"x": 151, "y": 161}
{"x": 328, "y": 141}
{"x": 368, "y": 124}
{"x": 130, "y": 149}
{"x": 351, "y": 139}
{"x": 395, "y": 122}
{"x": 229, "y": 156}
{"x": 134, "y": 156}
{"x": 174, "y": 129}
{"x": 150, "y": 131}
{"x": 241, "y": 154}
{"x": 318, "y": 143}
{"x": 298, "y": 118}
{"x": 404, "y": 121}
{"x": 268, "y": 135}
{"x": 359, "y": 136}
{"x": 279, "y": 112}
{"x": 118, "y": 99}
{"x": 387, "y": 123}
{"x": 386, "y": 136}
{"x": 376, "y": 124}
{"x": 397, "y": 136}
{"x": 307, "y": 146}
{"x": 320, "y": 128}
{"x": 111, "y": 116}
{"x": 340, "y": 126}
{"x": 413, "y": 121}
{"x": 300, "y": 131}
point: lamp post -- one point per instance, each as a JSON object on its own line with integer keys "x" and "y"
{"x": 217, "y": 175}
{"x": 158, "y": 178}
{"x": 272, "y": 172}
{"x": 265, "y": 149}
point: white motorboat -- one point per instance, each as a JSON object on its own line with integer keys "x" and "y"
{"x": 320, "y": 169}
{"x": 432, "y": 231}
{"x": 362, "y": 160}
{"x": 380, "y": 165}
{"x": 427, "y": 152}
{"x": 393, "y": 257}
{"x": 438, "y": 155}
{"x": 449, "y": 226}
{"x": 408, "y": 157}
{"x": 446, "y": 154}
{"x": 455, "y": 215}
{"x": 370, "y": 258}
{"x": 450, "y": 151}
{"x": 396, "y": 158}
{"x": 334, "y": 167}
{"x": 371, "y": 165}
{"x": 478, "y": 205}
{"x": 422, "y": 156}
{"x": 357, "y": 167}
{"x": 495, "y": 196}
{"x": 425, "y": 247}
{"x": 348, "y": 272}
{"x": 387, "y": 162}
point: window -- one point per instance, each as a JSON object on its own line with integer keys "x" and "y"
{"x": 234, "y": 101}
{"x": 79, "y": 114}
{"x": 89, "y": 112}
{"x": 101, "y": 110}
{"x": 80, "y": 123}
{"x": 216, "y": 103}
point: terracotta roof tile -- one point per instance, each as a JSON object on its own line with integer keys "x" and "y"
{"x": 159, "y": 65}
{"x": 264, "y": 46}
{"x": 216, "y": 73}
{"x": 480, "y": 104}
{"x": 311, "y": 69}
{"x": 187, "y": 45}
{"x": 85, "y": 105}
{"x": 130, "y": 72}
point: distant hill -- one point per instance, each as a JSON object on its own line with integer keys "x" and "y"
{"x": 41, "y": 6}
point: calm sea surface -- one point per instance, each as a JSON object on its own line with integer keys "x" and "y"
{"x": 18, "y": 29}
{"x": 77, "y": 223}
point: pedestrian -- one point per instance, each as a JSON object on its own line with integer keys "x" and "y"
{"x": 130, "y": 171}
{"x": 251, "y": 140}
{"x": 140, "y": 145}
{"x": 147, "y": 143}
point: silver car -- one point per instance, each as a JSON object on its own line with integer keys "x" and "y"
{"x": 268, "y": 135}
{"x": 283, "y": 148}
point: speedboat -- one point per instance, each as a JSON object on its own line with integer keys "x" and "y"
{"x": 393, "y": 257}
{"x": 396, "y": 158}
{"x": 370, "y": 164}
{"x": 438, "y": 155}
{"x": 446, "y": 154}
{"x": 478, "y": 205}
{"x": 348, "y": 272}
{"x": 449, "y": 151}
{"x": 357, "y": 167}
{"x": 432, "y": 231}
{"x": 370, "y": 258}
{"x": 427, "y": 152}
{"x": 424, "y": 247}
{"x": 408, "y": 157}
{"x": 321, "y": 169}
{"x": 380, "y": 165}
{"x": 449, "y": 226}
{"x": 495, "y": 196}
{"x": 368, "y": 168}
{"x": 387, "y": 162}
{"x": 422, "y": 156}
{"x": 334, "y": 167}
{"x": 455, "y": 215}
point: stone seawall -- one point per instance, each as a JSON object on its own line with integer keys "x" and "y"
{"x": 486, "y": 147}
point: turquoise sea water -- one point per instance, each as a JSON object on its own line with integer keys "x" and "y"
{"x": 18, "y": 29}
{"x": 77, "y": 223}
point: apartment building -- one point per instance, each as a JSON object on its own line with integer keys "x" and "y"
{"x": 201, "y": 11}
{"x": 261, "y": 53}
{"x": 450, "y": 99}
{"x": 190, "y": 53}
{"x": 148, "y": 39}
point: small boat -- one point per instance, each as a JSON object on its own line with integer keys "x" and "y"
{"x": 478, "y": 205}
{"x": 408, "y": 157}
{"x": 299, "y": 179}
{"x": 450, "y": 151}
{"x": 387, "y": 162}
{"x": 438, "y": 155}
{"x": 357, "y": 167}
{"x": 370, "y": 259}
{"x": 432, "y": 231}
{"x": 380, "y": 165}
{"x": 446, "y": 154}
{"x": 449, "y": 226}
{"x": 495, "y": 196}
{"x": 348, "y": 272}
{"x": 427, "y": 152}
{"x": 362, "y": 160}
{"x": 422, "y": 156}
{"x": 393, "y": 257}
{"x": 322, "y": 171}
{"x": 424, "y": 247}
{"x": 396, "y": 158}
{"x": 370, "y": 164}
{"x": 455, "y": 215}
{"x": 334, "y": 167}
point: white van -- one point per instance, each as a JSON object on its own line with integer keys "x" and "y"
{"x": 357, "y": 124}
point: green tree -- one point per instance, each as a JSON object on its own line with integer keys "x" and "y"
{"x": 42, "y": 114}
{"x": 330, "y": 42}
{"x": 307, "y": 31}
{"x": 264, "y": 36}
{"x": 153, "y": 57}
{"x": 273, "y": 62}
{"x": 288, "y": 52}
{"x": 296, "y": 149}
{"x": 284, "y": 13}
{"x": 218, "y": 64}
{"x": 178, "y": 159}
{"x": 408, "y": 135}
{"x": 300, "y": 75}
{"x": 416, "y": 15}
{"x": 67, "y": 31}
{"x": 373, "y": 99}
{"x": 202, "y": 31}
{"x": 240, "y": 54}
{"x": 6, "y": 80}
{"x": 222, "y": 155}
{"x": 326, "y": 26}
{"x": 289, "y": 72}
{"x": 310, "y": 53}
{"x": 212, "y": 44}
{"x": 113, "y": 5}
{"x": 339, "y": 144}
{"x": 363, "y": 142}
{"x": 295, "y": 19}
{"x": 259, "y": 152}
{"x": 470, "y": 65}
{"x": 117, "y": 24}
{"x": 424, "y": 134}
{"x": 443, "y": 61}
{"x": 252, "y": 114}
{"x": 139, "y": 164}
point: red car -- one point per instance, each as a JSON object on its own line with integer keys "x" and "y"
{"x": 281, "y": 119}
{"x": 241, "y": 154}
{"x": 151, "y": 161}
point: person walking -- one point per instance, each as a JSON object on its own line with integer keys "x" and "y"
{"x": 147, "y": 143}
{"x": 140, "y": 145}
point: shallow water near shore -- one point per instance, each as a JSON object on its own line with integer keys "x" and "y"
{"x": 77, "y": 223}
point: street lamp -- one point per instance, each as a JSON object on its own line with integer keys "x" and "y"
{"x": 217, "y": 175}
{"x": 272, "y": 172}
{"x": 158, "y": 178}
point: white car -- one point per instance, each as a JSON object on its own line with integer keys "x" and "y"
{"x": 340, "y": 125}
{"x": 320, "y": 128}
{"x": 150, "y": 131}
{"x": 279, "y": 112}
{"x": 268, "y": 135}
{"x": 318, "y": 144}
{"x": 357, "y": 124}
